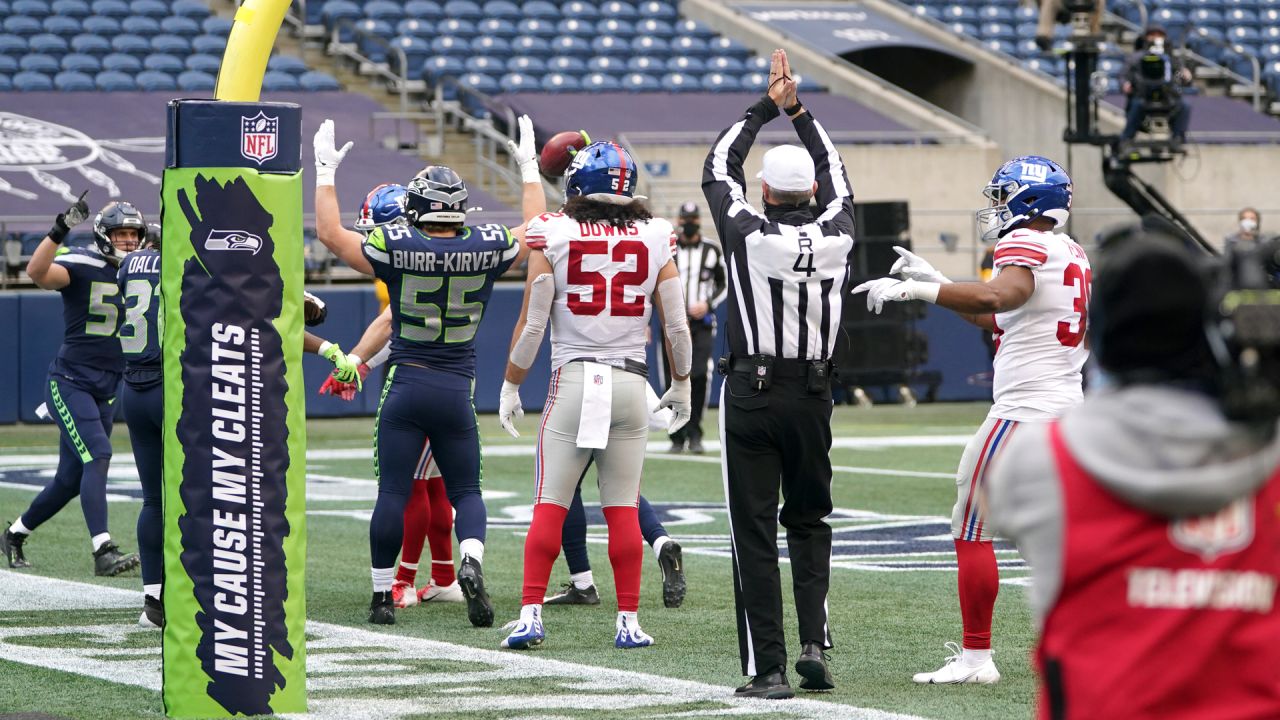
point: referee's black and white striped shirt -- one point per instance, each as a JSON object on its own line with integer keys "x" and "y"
{"x": 701, "y": 271}
{"x": 789, "y": 271}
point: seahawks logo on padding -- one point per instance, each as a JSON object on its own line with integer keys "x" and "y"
{"x": 233, "y": 240}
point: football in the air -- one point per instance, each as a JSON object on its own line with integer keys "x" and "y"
{"x": 558, "y": 152}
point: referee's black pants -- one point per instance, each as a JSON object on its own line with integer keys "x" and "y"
{"x": 777, "y": 438}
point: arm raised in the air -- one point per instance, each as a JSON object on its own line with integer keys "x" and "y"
{"x": 344, "y": 243}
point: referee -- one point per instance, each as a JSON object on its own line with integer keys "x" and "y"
{"x": 788, "y": 273}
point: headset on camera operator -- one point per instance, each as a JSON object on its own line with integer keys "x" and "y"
{"x": 1153, "y": 82}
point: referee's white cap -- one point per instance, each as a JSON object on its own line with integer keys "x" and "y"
{"x": 788, "y": 168}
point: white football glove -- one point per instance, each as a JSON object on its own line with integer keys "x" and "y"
{"x": 890, "y": 290}
{"x": 679, "y": 398}
{"x": 523, "y": 152}
{"x": 911, "y": 266}
{"x": 328, "y": 158}
{"x": 509, "y": 408}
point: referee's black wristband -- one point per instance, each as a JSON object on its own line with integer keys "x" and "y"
{"x": 59, "y": 231}
{"x": 794, "y": 110}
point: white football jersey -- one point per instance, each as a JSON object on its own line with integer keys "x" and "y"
{"x": 1040, "y": 347}
{"x": 605, "y": 278}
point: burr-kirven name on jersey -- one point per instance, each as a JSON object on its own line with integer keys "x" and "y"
{"x": 450, "y": 262}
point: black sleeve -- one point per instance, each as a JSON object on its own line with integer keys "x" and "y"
{"x": 720, "y": 286}
{"x": 834, "y": 195}
{"x": 723, "y": 183}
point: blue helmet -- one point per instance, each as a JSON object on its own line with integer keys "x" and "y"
{"x": 1023, "y": 189}
{"x": 384, "y": 204}
{"x": 602, "y": 171}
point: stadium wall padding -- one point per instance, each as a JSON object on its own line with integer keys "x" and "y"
{"x": 32, "y": 322}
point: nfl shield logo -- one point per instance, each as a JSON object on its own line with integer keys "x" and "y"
{"x": 599, "y": 379}
{"x": 1227, "y": 531}
{"x": 258, "y": 136}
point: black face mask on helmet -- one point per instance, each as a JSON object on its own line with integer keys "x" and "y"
{"x": 117, "y": 216}
{"x": 436, "y": 196}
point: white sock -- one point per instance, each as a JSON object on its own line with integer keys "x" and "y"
{"x": 473, "y": 547}
{"x": 582, "y": 580}
{"x": 657, "y": 545}
{"x": 100, "y": 539}
{"x": 629, "y": 618}
{"x": 409, "y": 566}
{"x": 382, "y": 578}
{"x": 152, "y": 590}
{"x": 974, "y": 658}
{"x": 529, "y": 613}
{"x": 18, "y": 528}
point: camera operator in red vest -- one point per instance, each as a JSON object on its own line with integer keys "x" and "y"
{"x": 1150, "y": 514}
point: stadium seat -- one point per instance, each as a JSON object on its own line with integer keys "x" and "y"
{"x": 120, "y": 62}
{"x": 607, "y": 65}
{"x": 182, "y": 27}
{"x": 27, "y": 81}
{"x": 540, "y": 10}
{"x": 116, "y": 9}
{"x": 995, "y": 13}
{"x": 960, "y": 28}
{"x": 480, "y": 82}
{"x": 423, "y": 10}
{"x": 456, "y": 27}
{"x": 415, "y": 49}
{"x": 531, "y": 47}
{"x": 1044, "y": 65}
{"x": 485, "y": 65}
{"x": 533, "y": 27}
{"x": 5, "y": 83}
{"x": 1243, "y": 35}
{"x": 160, "y": 62}
{"x": 502, "y": 10}
{"x": 316, "y": 81}
{"x": 1241, "y": 16}
{"x": 131, "y": 45}
{"x": 693, "y": 46}
{"x": 463, "y": 10}
{"x": 149, "y": 8}
{"x": 570, "y": 45}
{"x": 1269, "y": 34}
{"x": 600, "y": 82}
{"x": 336, "y": 11}
{"x": 576, "y": 28}
{"x": 14, "y": 45}
{"x": 693, "y": 28}
{"x": 449, "y": 45}
{"x": 204, "y": 63}
{"x": 959, "y": 13}
{"x": 997, "y": 31}
{"x": 492, "y": 46}
{"x": 215, "y": 25}
{"x": 560, "y": 83}
{"x": 151, "y": 80}
{"x": 61, "y": 26}
{"x": 1271, "y": 77}
{"x": 1110, "y": 66}
{"x": 1207, "y": 17}
{"x": 25, "y": 26}
{"x": 614, "y": 26}
{"x": 275, "y": 81}
{"x": 171, "y": 44}
{"x": 527, "y": 65}
{"x": 517, "y": 82}
{"x": 78, "y": 9}
{"x": 686, "y": 65}
{"x": 572, "y": 9}
{"x": 731, "y": 65}
{"x": 434, "y": 68}
{"x": 757, "y": 64}
{"x": 40, "y": 63}
{"x": 497, "y": 27}
{"x": 1026, "y": 48}
{"x": 1180, "y": 5}
{"x": 1269, "y": 53}
{"x": 618, "y": 9}
{"x": 1269, "y": 16}
{"x": 930, "y": 11}
{"x": 640, "y": 82}
{"x": 680, "y": 82}
{"x": 416, "y": 28}
{"x": 114, "y": 81}
{"x": 80, "y": 62}
{"x": 654, "y": 26}
{"x": 194, "y": 9}
{"x": 30, "y": 8}
{"x": 295, "y": 65}
{"x": 726, "y": 47}
{"x": 646, "y": 64}
{"x": 209, "y": 44}
{"x": 196, "y": 81}
{"x": 720, "y": 82}
{"x": 384, "y": 10}
{"x": 650, "y": 45}
{"x": 657, "y": 10}
{"x": 47, "y": 43}
{"x": 71, "y": 81}
{"x": 567, "y": 65}
{"x": 89, "y": 45}
{"x": 143, "y": 27}
{"x": 611, "y": 46}
{"x": 8, "y": 65}
{"x": 1003, "y": 47}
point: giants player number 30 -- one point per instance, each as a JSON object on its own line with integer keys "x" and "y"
{"x": 1037, "y": 305}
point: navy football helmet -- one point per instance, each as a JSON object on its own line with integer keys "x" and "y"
{"x": 1023, "y": 189}
{"x": 152, "y": 241}
{"x": 603, "y": 171}
{"x": 117, "y": 216}
{"x": 383, "y": 204}
{"x": 436, "y": 195}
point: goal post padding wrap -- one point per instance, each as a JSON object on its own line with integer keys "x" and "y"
{"x": 234, "y": 420}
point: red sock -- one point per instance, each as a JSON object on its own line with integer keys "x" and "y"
{"x": 626, "y": 554}
{"x": 541, "y": 548}
{"x": 979, "y": 581}
{"x": 440, "y": 533}
{"x": 417, "y": 515}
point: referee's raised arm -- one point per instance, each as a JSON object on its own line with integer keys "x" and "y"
{"x": 723, "y": 183}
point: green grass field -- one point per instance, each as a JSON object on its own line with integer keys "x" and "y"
{"x": 890, "y": 611}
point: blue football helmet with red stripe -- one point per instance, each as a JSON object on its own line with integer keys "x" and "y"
{"x": 383, "y": 204}
{"x": 1023, "y": 189}
{"x": 603, "y": 171}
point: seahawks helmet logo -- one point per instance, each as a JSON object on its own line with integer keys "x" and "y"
{"x": 233, "y": 240}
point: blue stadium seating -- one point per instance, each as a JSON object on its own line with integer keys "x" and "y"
{"x": 463, "y": 10}
{"x": 646, "y": 64}
{"x": 693, "y": 28}
{"x": 959, "y": 13}
{"x": 650, "y": 45}
{"x": 216, "y": 26}
{"x": 517, "y": 82}
{"x": 721, "y": 82}
{"x": 171, "y": 44}
{"x": 531, "y": 47}
{"x": 416, "y": 28}
{"x": 61, "y": 26}
{"x": 71, "y": 8}
{"x": 576, "y": 28}
{"x": 196, "y": 81}
{"x": 730, "y": 65}
{"x": 149, "y": 8}
{"x": 130, "y": 45}
{"x": 533, "y": 27}
{"x": 160, "y": 62}
{"x": 8, "y": 65}
{"x": 436, "y": 67}
{"x": 1000, "y": 46}
{"x": 209, "y": 44}
{"x": 997, "y": 31}
{"x": 117, "y": 9}
{"x": 80, "y": 62}
{"x": 90, "y": 45}
{"x": 111, "y": 80}
{"x": 930, "y": 11}
{"x": 485, "y": 65}
{"x": 384, "y": 10}
{"x": 144, "y": 27}
{"x": 600, "y": 82}
{"x": 1207, "y": 17}
{"x": 687, "y": 45}
{"x": 497, "y": 27}
{"x": 618, "y": 9}
{"x": 5, "y": 83}
{"x": 39, "y": 63}
{"x": 572, "y": 9}
{"x": 614, "y": 26}
{"x": 120, "y": 62}
{"x": 640, "y": 82}
{"x": 530, "y": 65}
{"x": 47, "y": 43}
{"x": 71, "y": 81}
{"x": 995, "y": 13}
{"x": 449, "y": 45}
{"x": 479, "y": 82}
{"x": 424, "y": 10}
{"x": 102, "y": 26}
{"x": 570, "y": 45}
{"x": 686, "y": 65}
{"x": 316, "y": 81}
{"x": 457, "y": 27}
{"x": 657, "y": 10}
{"x": 680, "y": 82}
{"x": 276, "y": 81}
{"x": 182, "y": 26}
{"x": 155, "y": 81}
{"x": 194, "y": 9}
{"x": 654, "y": 26}
{"x": 416, "y": 50}
{"x": 566, "y": 65}
{"x": 502, "y": 10}
{"x": 12, "y": 45}
{"x": 32, "y": 82}
{"x": 560, "y": 82}
{"x": 204, "y": 63}
{"x": 610, "y": 46}
{"x": 23, "y": 25}
{"x": 296, "y": 66}
{"x": 727, "y": 47}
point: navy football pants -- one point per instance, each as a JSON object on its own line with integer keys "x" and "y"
{"x": 144, "y": 413}
{"x": 418, "y": 403}
{"x": 84, "y": 455}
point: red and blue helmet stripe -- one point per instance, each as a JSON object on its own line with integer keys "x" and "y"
{"x": 602, "y": 171}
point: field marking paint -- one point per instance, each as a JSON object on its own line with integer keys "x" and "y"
{"x": 339, "y": 660}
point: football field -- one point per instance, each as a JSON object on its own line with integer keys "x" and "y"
{"x": 70, "y": 645}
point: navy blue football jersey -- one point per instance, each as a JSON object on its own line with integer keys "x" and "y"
{"x": 139, "y": 282}
{"x": 90, "y": 310}
{"x": 439, "y": 287}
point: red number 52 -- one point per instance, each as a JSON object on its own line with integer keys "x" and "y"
{"x": 601, "y": 287}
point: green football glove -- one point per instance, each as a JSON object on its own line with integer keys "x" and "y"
{"x": 347, "y": 369}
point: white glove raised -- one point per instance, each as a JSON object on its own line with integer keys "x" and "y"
{"x": 890, "y": 290}
{"x": 679, "y": 398}
{"x": 911, "y": 266}
{"x": 328, "y": 158}
{"x": 523, "y": 152}
{"x": 509, "y": 408}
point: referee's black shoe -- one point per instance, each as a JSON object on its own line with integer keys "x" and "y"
{"x": 812, "y": 666}
{"x": 770, "y": 685}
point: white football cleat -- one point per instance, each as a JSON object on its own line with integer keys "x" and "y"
{"x": 434, "y": 593}
{"x": 403, "y": 594}
{"x": 955, "y": 672}
{"x": 629, "y": 635}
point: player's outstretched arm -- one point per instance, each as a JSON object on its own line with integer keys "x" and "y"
{"x": 41, "y": 268}
{"x": 341, "y": 242}
{"x": 374, "y": 339}
{"x": 526, "y": 338}
{"x": 533, "y": 199}
{"x": 675, "y": 325}
{"x": 1009, "y": 290}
